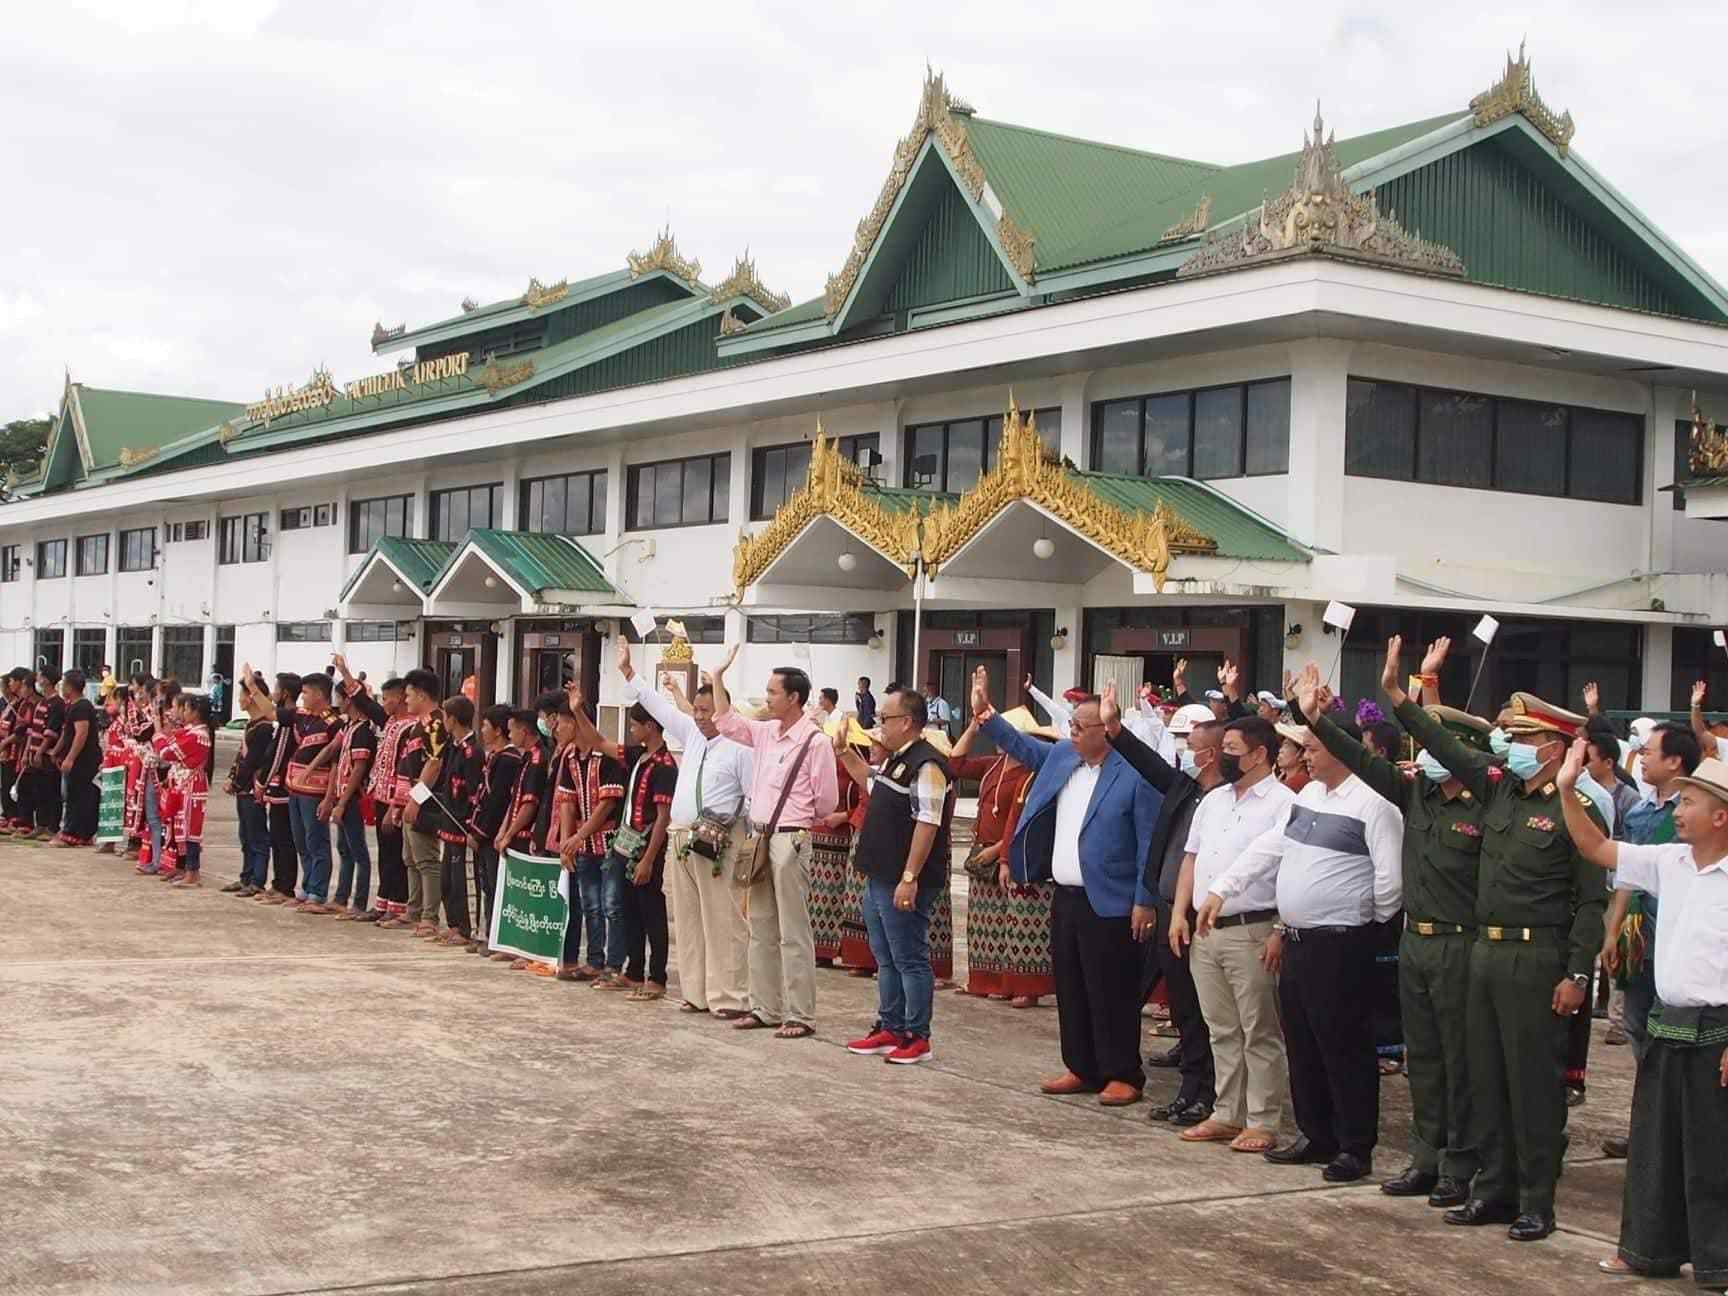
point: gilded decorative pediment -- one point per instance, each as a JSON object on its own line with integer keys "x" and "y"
{"x": 742, "y": 282}
{"x": 1319, "y": 213}
{"x": 495, "y": 376}
{"x": 943, "y": 116}
{"x": 835, "y": 489}
{"x": 538, "y": 294}
{"x": 1195, "y": 222}
{"x": 730, "y": 323}
{"x": 130, "y": 458}
{"x": 1024, "y": 472}
{"x": 380, "y": 334}
{"x": 663, "y": 254}
{"x": 1707, "y": 453}
{"x": 1515, "y": 92}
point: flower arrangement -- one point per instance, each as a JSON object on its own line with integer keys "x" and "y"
{"x": 1368, "y": 714}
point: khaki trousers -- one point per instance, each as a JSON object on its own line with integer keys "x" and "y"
{"x": 782, "y": 948}
{"x": 1239, "y": 1000}
{"x": 712, "y": 936}
{"x": 425, "y": 875}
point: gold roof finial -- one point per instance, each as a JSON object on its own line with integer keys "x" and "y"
{"x": 1515, "y": 92}
{"x": 663, "y": 254}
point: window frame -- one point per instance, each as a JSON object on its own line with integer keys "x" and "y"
{"x": 368, "y": 632}
{"x": 845, "y": 629}
{"x": 848, "y": 446}
{"x": 45, "y": 547}
{"x": 182, "y": 532}
{"x": 1050, "y": 414}
{"x": 126, "y": 564}
{"x": 1242, "y": 387}
{"x": 437, "y": 502}
{"x": 283, "y": 629}
{"x": 361, "y": 509}
{"x": 243, "y": 539}
{"x": 102, "y": 544}
{"x": 599, "y": 492}
{"x": 719, "y": 470}
{"x": 11, "y": 563}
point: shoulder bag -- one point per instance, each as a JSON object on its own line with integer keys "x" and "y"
{"x": 712, "y": 830}
{"x": 628, "y": 843}
{"x": 752, "y": 865}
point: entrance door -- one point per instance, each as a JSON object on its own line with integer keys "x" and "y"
{"x": 225, "y": 668}
{"x": 954, "y": 680}
{"x": 549, "y": 670}
{"x": 453, "y": 665}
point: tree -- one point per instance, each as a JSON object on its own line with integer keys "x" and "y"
{"x": 22, "y": 442}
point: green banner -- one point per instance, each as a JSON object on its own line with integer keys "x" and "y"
{"x": 111, "y": 817}
{"x": 531, "y": 907}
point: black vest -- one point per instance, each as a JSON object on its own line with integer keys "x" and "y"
{"x": 885, "y": 840}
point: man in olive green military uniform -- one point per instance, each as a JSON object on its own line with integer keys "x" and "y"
{"x": 1538, "y": 928}
{"x": 1442, "y": 845}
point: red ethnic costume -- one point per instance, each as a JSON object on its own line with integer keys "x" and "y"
{"x": 185, "y": 756}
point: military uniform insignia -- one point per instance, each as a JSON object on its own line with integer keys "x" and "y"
{"x": 1467, "y": 829}
{"x": 1542, "y": 823}
{"x": 1583, "y": 800}
{"x": 1547, "y": 789}
{"x": 1466, "y": 795}
{"x": 1496, "y": 773}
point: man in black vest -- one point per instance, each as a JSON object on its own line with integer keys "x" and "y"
{"x": 902, "y": 850}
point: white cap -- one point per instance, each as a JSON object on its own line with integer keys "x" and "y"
{"x": 1642, "y": 728}
{"x": 1187, "y": 717}
{"x": 1215, "y": 695}
{"x": 1270, "y": 698}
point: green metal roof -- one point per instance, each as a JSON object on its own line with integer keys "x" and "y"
{"x": 1238, "y": 531}
{"x": 119, "y": 420}
{"x": 538, "y": 560}
{"x": 501, "y": 312}
{"x": 419, "y": 561}
{"x": 899, "y": 499}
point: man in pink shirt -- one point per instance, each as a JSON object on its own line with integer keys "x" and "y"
{"x": 792, "y": 757}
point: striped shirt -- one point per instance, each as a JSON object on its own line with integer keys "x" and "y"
{"x": 1337, "y": 855}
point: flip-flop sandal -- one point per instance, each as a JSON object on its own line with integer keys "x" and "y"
{"x": 1249, "y": 1141}
{"x": 644, "y": 996}
{"x": 795, "y": 1030}
{"x": 750, "y": 1021}
{"x": 729, "y": 1014}
{"x": 689, "y": 1007}
{"x": 1210, "y": 1131}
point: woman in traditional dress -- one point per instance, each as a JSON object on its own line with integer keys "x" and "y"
{"x": 830, "y": 852}
{"x": 1007, "y": 925}
{"x": 140, "y": 767}
{"x": 116, "y": 755}
{"x": 188, "y": 758}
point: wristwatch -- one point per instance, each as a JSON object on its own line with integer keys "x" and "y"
{"x": 1581, "y": 980}
{"x": 908, "y": 877}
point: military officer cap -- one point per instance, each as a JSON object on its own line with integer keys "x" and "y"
{"x": 1470, "y": 730}
{"x": 1531, "y": 715}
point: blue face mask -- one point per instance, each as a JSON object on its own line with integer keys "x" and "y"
{"x": 1432, "y": 770}
{"x": 1185, "y": 759}
{"x": 1522, "y": 761}
{"x": 545, "y": 729}
{"x": 1498, "y": 742}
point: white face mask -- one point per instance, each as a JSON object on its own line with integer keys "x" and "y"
{"x": 1432, "y": 770}
{"x": 1185, "y": 760}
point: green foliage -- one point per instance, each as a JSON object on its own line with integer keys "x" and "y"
{"x": 22, "y": 442}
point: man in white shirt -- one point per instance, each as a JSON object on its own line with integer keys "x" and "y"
{"x": 936, "y": 706}
{"x": 1675, "y": 1207}
{"x": 1337, "y": 856}
{"x": 713, "y": 934}
{"x": 1235, "y": 971}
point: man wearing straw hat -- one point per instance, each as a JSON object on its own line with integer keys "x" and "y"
{"x": 1538, "y": 916}
{"x": 1676, "y": 1200}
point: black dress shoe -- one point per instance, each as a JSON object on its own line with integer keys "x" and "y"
{"x": 1614, "y": 1147}
{"x": 1191, "y": 1114}
{"x": 1170, "y": 1058}
{"x": 1301, "y": 1152}
{"x": 1574, "y": 1096}
{"x": 1476, "y": 1211}
{"x": 1412, "y": 1183}
{"x": 1531, "y": 1226}
{"x": 1449, "y": 1192}
{"x": 232, "y": 887}
{"x": 1346, "y": 1167}
{"x": 1165, "y": 1111}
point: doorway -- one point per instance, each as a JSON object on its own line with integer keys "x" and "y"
{"x": 453, "y": 666}
{"x": 456, "y": 650}
{"x": 954, "y": 670}
{"x": 555, "y": 653}
{"x": 225, "y": 668}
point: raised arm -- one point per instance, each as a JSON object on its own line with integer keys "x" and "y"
{"x": 1377, "y": 772}
{"x": 671, "y": 718}
{"x": 1147, "y": 763}
{"x": 1061, "y": 714}
{"x": 962, "y": 744}
{"x": 1587, "y": 838}
{"x": 1469, "y": 767}
{"x": 717, "y": 678}
{"x": 1700, "y": 725}
{"x": 1007, "y": 738}
{"x": 586, "y": 733}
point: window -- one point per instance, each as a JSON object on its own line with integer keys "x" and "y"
{"x": 138, "y": 549}
{"x": 243, "y": 539}
{"x": 817, "y": 628}
{"x": 573, "y": 504}
{"x": 308, "y": 516}
{"x": 50, "y": 559}
{"x": 702, "y": 630}
{"x": 11, "y": 562}
{"x": 1696, "y": 657}
{"x": 679, "y": 492}
{"x": 777, "y": 472}
{"x": 131, "y": 650}
{"x": 302, "y": 632}
{"x": 370, "y": 520}
{"x": 92, "y": 555}
{"x": 182, "y": 531}
{"x": 49, "y": 648}
{"x": 89, "y": 651}
{"x": 952, "y": 456}
{"x": 1449, "y": 438}
{"x": 183, "y": 653}
{"x": 371, "y": 632}
{"x": 1211, "y": 432}
{"x": 467, "y": 508}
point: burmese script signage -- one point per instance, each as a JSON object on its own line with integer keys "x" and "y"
{"x": 320, "y": 390}
{"x": 530, "y": 907}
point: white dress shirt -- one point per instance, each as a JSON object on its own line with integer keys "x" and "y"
{"x": 1071, "y": 803}
{"x": 1061, "y": 714}
{"x": 724, "y": 767}
{"x": 1691, "y": 921}
{"x": 1337, "y": 855}
{"x": 1225, "y": 824}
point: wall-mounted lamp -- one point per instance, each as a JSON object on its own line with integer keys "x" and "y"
{"x": 846, "y": 562}
{"x": 1292, "y": 633}
{"x": 1059, "y": 640}
{"x": 1044, "y": 547}
{"x": 491, "y": 582}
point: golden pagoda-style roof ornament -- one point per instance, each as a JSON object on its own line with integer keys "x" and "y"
{"x": 380, "y": 334}
{"x": 1025, "y": 472}
{"x": 1707, "y": 451}
{"x": 469, "y": 305}
{"x": 663, "y": 254}
{"x": 538, "y": 294}
{"x": 1195, "y": 222}
{"x": 130, "y": 458}
{"x": 1515, "y": 92}
{"x": 944, "y": 116}
{"x": 1319, "y": 213}
{"x": 742, "y": 282}
{"x": 834, "y": 488}
{"x": 496, "y": 376}
{"x": 730, "y": 323}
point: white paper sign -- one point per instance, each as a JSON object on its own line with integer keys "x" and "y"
{"x": 1341, "y": 615}
{"x": 1719, "y": 639}
{"x": 801, "y": 652}
{"x": 1486, "y": 629}
{"x": 644, "y": 622}
{"x": 564, "y": 885}
{"x": 420, "y": 794}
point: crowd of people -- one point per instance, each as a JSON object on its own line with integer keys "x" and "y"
{"x": 1305, "y": 892}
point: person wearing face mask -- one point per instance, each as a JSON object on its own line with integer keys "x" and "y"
{"x": 1538, "y": 930}
{"x": 1442, "y": 847}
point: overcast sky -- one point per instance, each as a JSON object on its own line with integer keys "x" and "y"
{"x": 208, "y": 197}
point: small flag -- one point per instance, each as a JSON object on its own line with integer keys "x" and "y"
{"x": 676, "y": 629}
{"x": 801, "y": 652}
{"x": 1341, "y": 615}
{"x": 644, "y": 622}
{"x": 1720, "y": 640}
{"x": 1486, "y": 629}
{"x": 420, "y": 794}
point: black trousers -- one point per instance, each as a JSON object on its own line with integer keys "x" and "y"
{"x": 8, "y": 776}
{"x": 646, "y": 934}
{"x": 43, "y": 793}
{"x": 1578, "y": 1046}
{"x": 1329, "y": 1037}
{"x": 392, "y": 872}
{"x": 455, "y": 884}
{"x": 83, "y": 805}
{"x": 1194, "y": 1044}
{"x": 1097, "y": 965}
{"x": 486, "y": 881}
{"x": 1676, "y": 1202}
{"x": 1388, "y": 1010}
{"x": 282, "y": 854}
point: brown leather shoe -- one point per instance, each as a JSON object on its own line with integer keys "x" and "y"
{"x": 1067, "y": 1083}
{"x": 1118, "y": 1093}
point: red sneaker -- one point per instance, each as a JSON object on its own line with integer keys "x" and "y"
{"x": 877, "y": 1041}
{"x": 914, "y": 1050}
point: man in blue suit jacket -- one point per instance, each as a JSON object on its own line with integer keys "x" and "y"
{"x": 1085, "y": 825}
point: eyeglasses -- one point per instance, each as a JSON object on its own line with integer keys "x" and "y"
{"x": 895, "y": 715}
